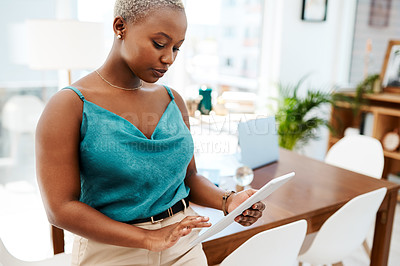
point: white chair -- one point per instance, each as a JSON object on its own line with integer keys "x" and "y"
{"x": 20, "y": 115}
{"x": 278, "y": 246}
{"x": 344, "y": 231}
{"x": 7, "y": 259}
{"x": 358, "y": 153}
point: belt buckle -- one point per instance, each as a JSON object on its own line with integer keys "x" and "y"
{"x": 170, "y": 212}
{"x": 153, "y": 222}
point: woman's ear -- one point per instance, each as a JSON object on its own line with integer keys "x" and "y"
{"x": 119, "y": 26}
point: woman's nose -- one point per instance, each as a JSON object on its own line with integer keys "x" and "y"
{"x": 168, "y": 58}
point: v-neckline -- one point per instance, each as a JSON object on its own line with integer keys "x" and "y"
{"x": 126, "y": 120}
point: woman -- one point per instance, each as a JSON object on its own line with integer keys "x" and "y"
{"x": 115, "y": 156}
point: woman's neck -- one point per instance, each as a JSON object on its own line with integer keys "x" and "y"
{"x": 117, "y": 72}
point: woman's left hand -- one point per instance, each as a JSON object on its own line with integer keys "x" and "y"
{"x": 249, "y": 216}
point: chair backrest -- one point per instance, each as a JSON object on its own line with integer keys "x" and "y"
{"x": 21, "y": 113}
{"x": 8, "y": 259}
{"x": 358, "y": 153}
{"x": 277, "y": 246}
{"x": 345, "y": 230}
{"x": 5, "y": 257}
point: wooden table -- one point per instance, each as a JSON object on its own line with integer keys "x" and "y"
{"x": 314, "y": 194}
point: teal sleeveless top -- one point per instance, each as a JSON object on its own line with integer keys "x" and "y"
{"x": 126, "y": 175}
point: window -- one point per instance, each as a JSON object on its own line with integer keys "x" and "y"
{"x": 222, "y": 47}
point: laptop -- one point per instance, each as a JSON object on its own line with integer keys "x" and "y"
{"x": 258, "y": 141}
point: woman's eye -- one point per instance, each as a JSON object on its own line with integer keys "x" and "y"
{"x": 176, "y": 49}
{"x": 157, "y": 45}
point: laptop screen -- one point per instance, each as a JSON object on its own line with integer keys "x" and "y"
{"x": 258, "y": 141}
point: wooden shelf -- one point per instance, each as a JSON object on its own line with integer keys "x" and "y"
{"x": 392, "y": 154}
{"x": 372, "y": 109}
{"x": 347, "y": 105}
{"x": 386, "y": 111}
{"x": 381, "y": 97}
{"x": 385, "y": 108}
{"x": 384, "y": 97}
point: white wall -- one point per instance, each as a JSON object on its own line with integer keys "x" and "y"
{"x": 321, "y": 49}
{"x": 379, "y": 37}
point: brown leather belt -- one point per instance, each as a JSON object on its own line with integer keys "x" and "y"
{"x": 179, "y": 206}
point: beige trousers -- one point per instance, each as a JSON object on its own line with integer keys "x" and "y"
{"x": 88, "y": 252}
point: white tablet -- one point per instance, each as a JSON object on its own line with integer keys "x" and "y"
{"x": 260, "y": 195}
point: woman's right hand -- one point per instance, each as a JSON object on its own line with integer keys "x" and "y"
{"x": 168, "y": 236}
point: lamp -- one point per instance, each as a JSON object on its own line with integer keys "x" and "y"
{"x": 65, "y": 45}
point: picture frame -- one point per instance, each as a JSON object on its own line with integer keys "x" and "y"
{"x": 379, "y": 13}
{"x": 314, "y": 10}
{"x": 390, "y": 74}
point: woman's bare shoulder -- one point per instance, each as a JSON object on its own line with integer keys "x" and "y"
{"x": 58, "y": 128}
{"x": 65, "y": 99}
{"x": 179, "y": 101}
{"x": 63, "y": 110}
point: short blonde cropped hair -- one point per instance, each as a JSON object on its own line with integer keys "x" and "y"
{"x": 134, "y": 10}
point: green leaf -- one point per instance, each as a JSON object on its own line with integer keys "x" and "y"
{"x": 296, "y": 124}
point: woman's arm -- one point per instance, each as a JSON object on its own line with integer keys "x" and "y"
{"x": 57, "y": 158}
{"x": 205, "y": 193}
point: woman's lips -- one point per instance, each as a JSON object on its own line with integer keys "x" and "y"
{"x": 159, "y": 72}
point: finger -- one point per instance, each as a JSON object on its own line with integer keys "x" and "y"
{"x": 196, "y": 218}
{"x": 194, "y": 222}
{"x": 258, "y": 206}
{"x": 246, "y": 224}
{"x": 253, "y": 213}
{"x": 245, "y": 219}
{"x": 191, "y": 218}
{"x": 180, "y": 231}
{"x": 199, "y": 219}
{"x": 186, "y": 230}
{"x": 248, "y": 219}
{"x": 176, "y": 234}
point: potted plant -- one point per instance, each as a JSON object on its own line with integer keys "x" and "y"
{"x": 371, "y": 84}
{"x": 297, "y": 116}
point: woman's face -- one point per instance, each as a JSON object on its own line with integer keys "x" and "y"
{"x": 151, "y": 45}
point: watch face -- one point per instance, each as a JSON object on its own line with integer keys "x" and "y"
{"x": 391, "y": 141}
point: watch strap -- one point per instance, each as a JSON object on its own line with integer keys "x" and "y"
{"x": 225, "y": 197}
